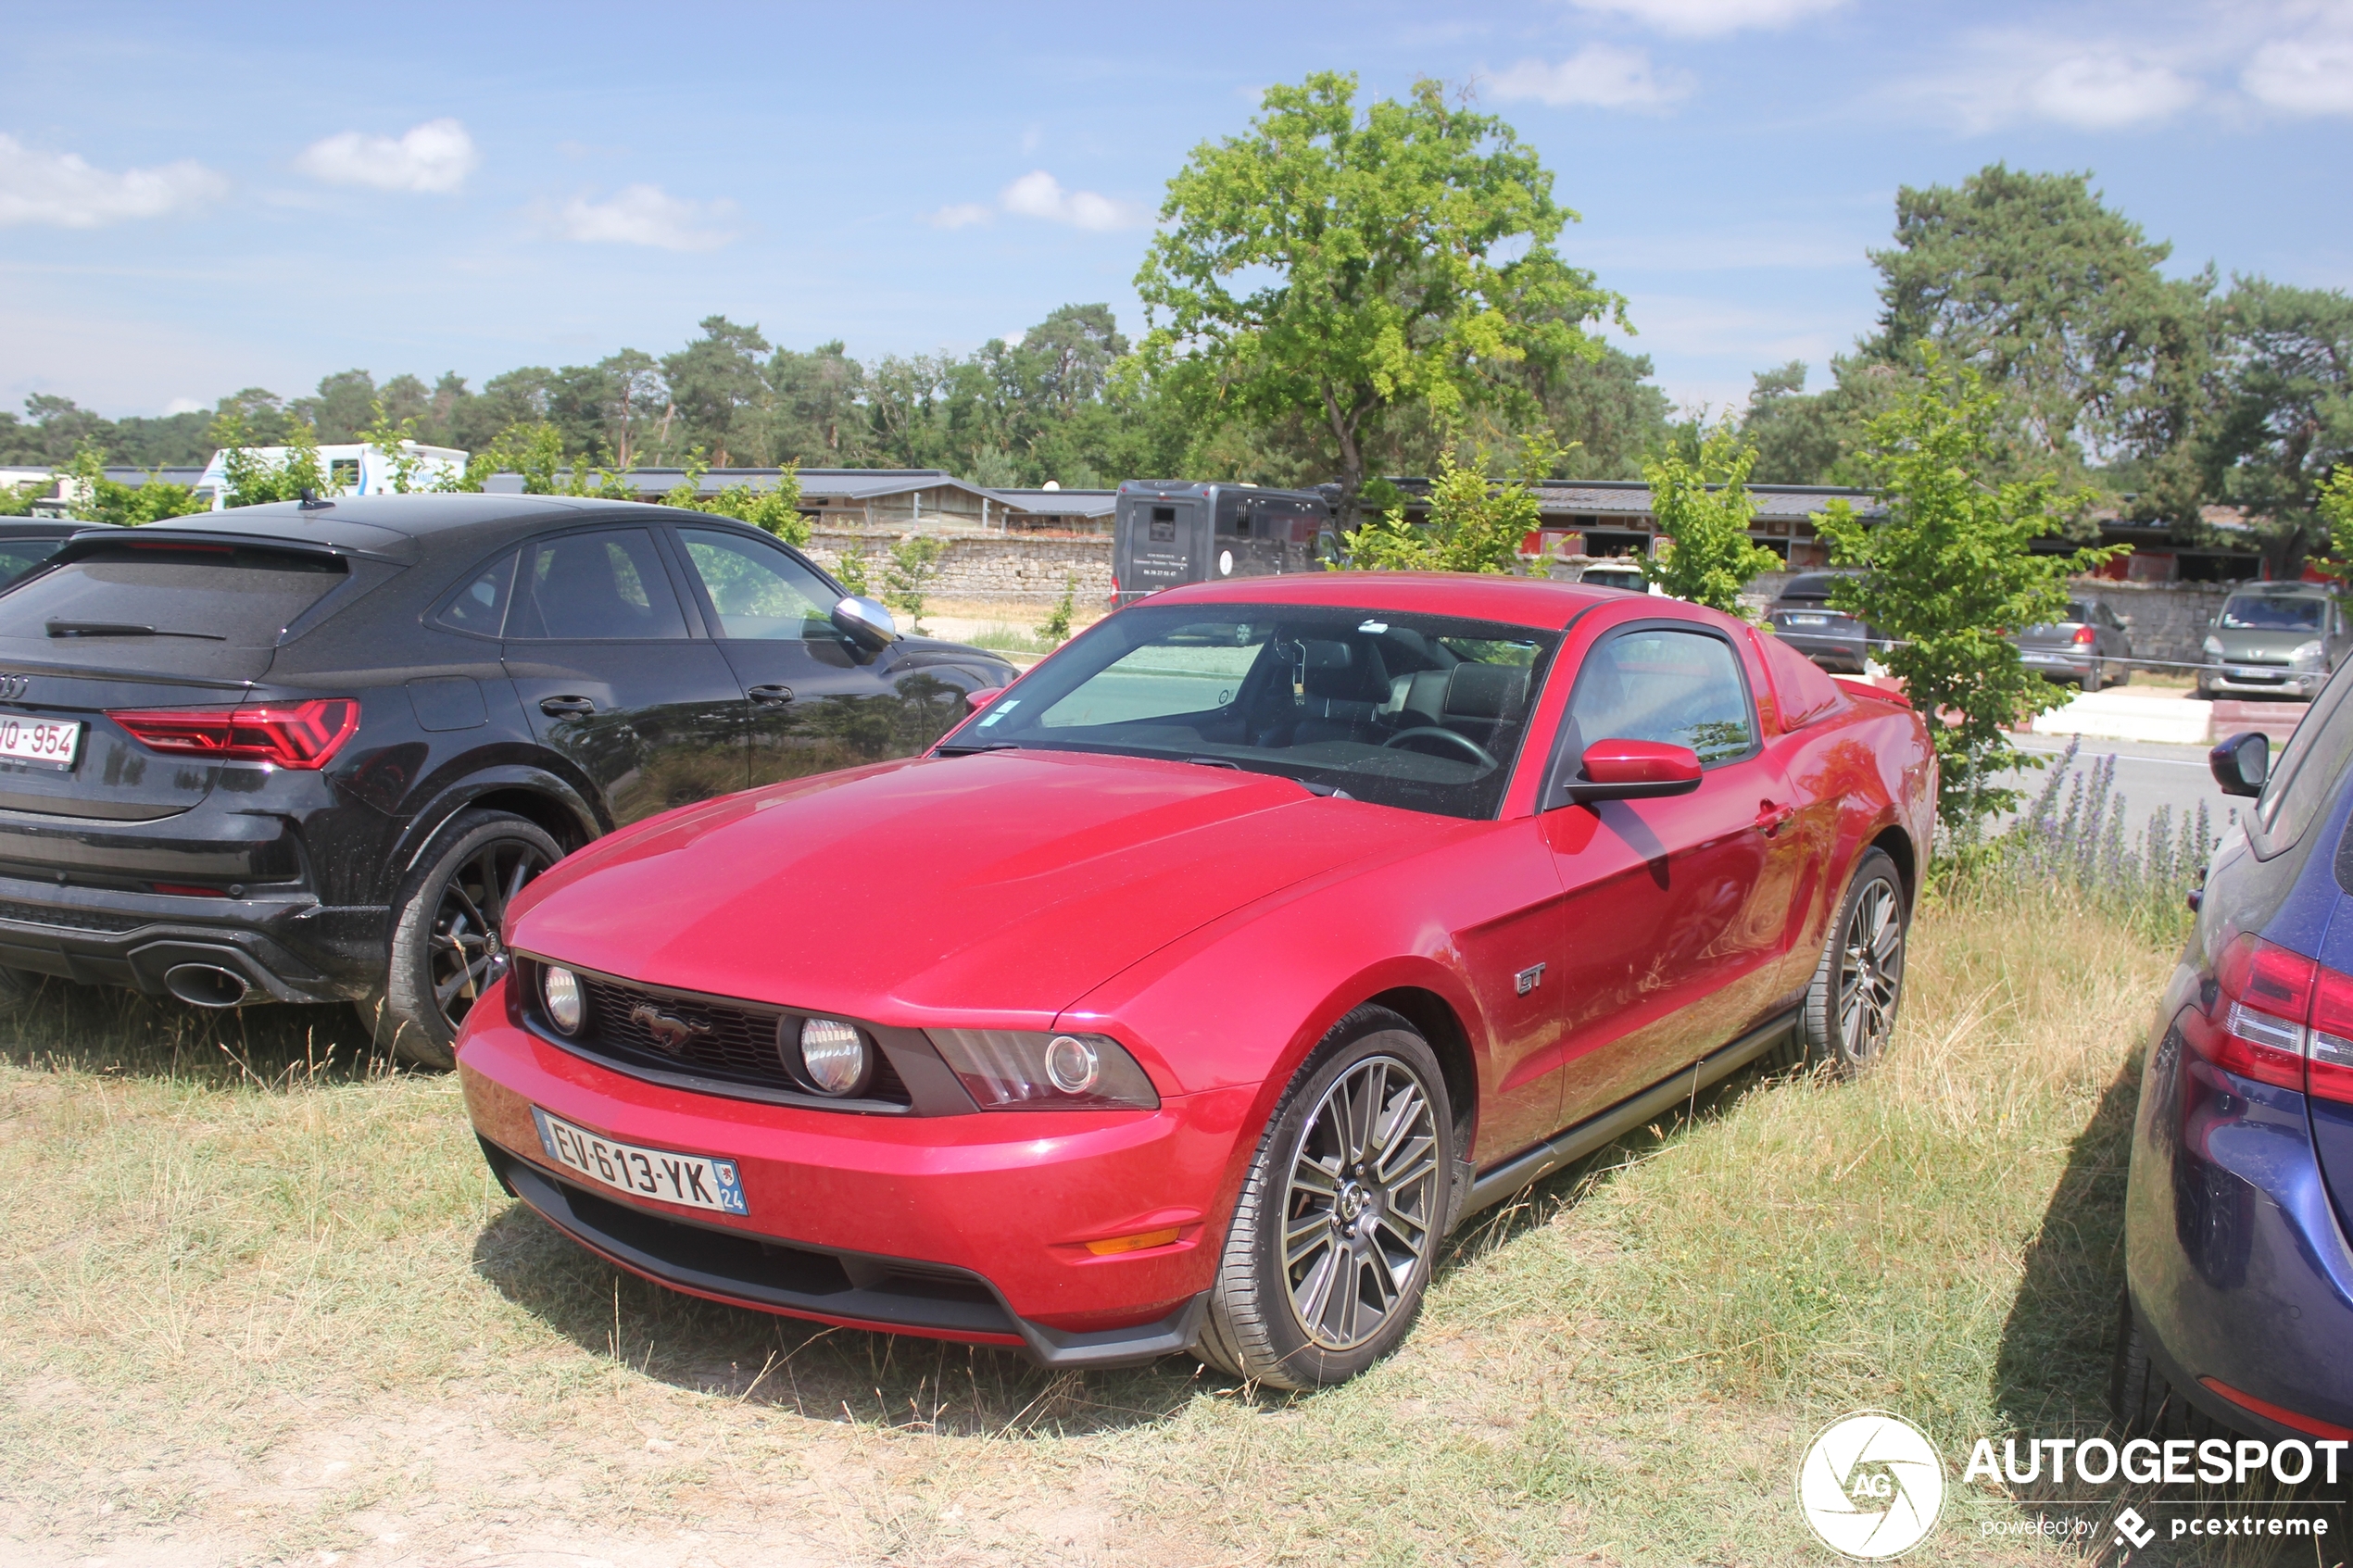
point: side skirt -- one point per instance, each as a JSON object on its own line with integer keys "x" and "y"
{"x": 1565, "y": 1147}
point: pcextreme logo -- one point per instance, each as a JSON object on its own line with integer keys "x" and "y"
{"x": 1872, "y": 1485}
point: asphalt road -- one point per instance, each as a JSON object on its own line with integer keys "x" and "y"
{"x": 2148, "y": 775}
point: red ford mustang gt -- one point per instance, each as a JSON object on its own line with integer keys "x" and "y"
{"x": 1188, "y": 994}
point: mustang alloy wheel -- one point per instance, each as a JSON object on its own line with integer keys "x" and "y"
{"x": 445, "y": 941}
{"x": 1331, "y": 1244}
{"x": 1850, "y": 1008}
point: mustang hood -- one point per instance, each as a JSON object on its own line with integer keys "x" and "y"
{"x": 1002, "y": 883}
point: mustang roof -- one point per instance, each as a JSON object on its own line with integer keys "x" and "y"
{"x": 1521, "y": 601}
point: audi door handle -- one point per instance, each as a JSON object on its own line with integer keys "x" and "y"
{"x": 565, "y": 706}
{"x": 769, "y": 693}
{"x": 1770, "y": 817}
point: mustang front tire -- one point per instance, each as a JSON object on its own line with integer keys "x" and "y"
{"x": 446, "y": 927}
{"x": 1340, "y": 1215}
{"x": 1850, "y": 1008}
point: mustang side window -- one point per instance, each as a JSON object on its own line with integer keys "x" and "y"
{"x": 760, "y": 592}
{"x": 598, "y": 587}
{"x": 1679, "y": 688}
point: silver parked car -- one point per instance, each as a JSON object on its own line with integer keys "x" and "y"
{"x": 2274, "y": 639}
{"x": 2088, "y": 645}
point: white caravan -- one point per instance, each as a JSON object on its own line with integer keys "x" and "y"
{"x": 352, "y": 469}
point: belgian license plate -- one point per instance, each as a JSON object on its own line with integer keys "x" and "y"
{"x": 1809, "y": 620}
{"x": 690, "y": 1179}
{"x": 39, "y": 740}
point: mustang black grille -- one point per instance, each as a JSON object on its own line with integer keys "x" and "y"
{"x": 69, "y": 919}
{"x": 739, "y": 1043}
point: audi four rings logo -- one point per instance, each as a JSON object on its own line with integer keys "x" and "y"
{"x": 13, "y": 687}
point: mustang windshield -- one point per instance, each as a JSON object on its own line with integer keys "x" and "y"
{"x": 1420, "y": 711}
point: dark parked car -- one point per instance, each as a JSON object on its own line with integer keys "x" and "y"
{"x": 25, "y": 543}
{"x": 1832, "y": 638}
{"x": 2090, "y": 646}
{"x": 2239, "y": 1279}
{"x": 310, "y": 753}
{"x": 2274, "y": 639}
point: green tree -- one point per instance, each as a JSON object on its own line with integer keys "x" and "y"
{"x": 1950, "y": 576}
{"x": 849, "y": 570}
{"x": 906, "y": 576}
{"x": 1475, "y": 524}
{"x": 721, "y": 397}
{"x": 2058, "y": 301}
{"x": 775, "y": 508}
{"x": 341, "y": 409}
{"x": 1055, "y": 630}
{"x": 255, "y": 479}
{"x": 1706, "y": 508}
{"x": 1334, "y": 266}
{"x": 2283, "y": 423}
{"x": 96, "y": 498}
{"x": 2334, "y": 505}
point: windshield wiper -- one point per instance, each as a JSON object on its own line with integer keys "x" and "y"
{"x": 119, "y": 629}
{"x": 965, "y": 748}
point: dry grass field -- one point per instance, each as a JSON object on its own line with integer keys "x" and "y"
{"x": 261, "y": 1303}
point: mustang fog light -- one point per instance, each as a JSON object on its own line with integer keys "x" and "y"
{"x": 567, "y": 1000}
{"x": 1072, "y": 1066}
{"x": 835, "y": 1056}
{"x": 1023, "y": 1069}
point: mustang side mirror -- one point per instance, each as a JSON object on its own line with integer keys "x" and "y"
{"x": 1632, "y": 769}
{"x": 2242, "y": 763}
{"x": 976, "y": 700}
{"x": 867, "y": 622}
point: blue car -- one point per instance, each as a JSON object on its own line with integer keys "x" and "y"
{"x": 2238, "y": 1306}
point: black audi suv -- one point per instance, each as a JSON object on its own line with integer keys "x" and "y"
{"x": 309, "y": 752}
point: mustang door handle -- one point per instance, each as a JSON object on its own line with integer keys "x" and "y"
{"x": 564, "y": 707}
{"x": 1770, "y": 817}
{"x": 769, "y": 693}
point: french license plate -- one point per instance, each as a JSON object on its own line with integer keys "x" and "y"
{"x": 690, "y": 1179}
{"x": 39, "y": 740}
{"x": 2239, "y": 674}
{"x": 1808, "y": 619}
{"x": 2045, "y": 658}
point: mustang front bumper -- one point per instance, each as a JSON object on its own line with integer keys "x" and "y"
{"x": 970, "y": 1227}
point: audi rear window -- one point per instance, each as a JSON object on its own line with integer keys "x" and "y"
{"x": 134, "y": 593}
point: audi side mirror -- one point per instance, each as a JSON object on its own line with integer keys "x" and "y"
{"x": 1632, "y": 769}
{"x": 865, "y": 622}
{"x": 2242, "y": 763}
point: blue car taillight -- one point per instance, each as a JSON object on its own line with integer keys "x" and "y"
{"x": 2279, "y": 1018}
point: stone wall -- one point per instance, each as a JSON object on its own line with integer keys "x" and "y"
{"x": 1026, "y": 566}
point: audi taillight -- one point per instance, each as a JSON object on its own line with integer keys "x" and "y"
{"x": 2085, "y": 636}
{"x": 299, "y": 735}
{"x": 2279, "y": 1018}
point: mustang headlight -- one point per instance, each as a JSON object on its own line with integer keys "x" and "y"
{"x": 834, "y": 1058}
{"x": 1022, "y": 1070}
{"x": 567, "y": 1000}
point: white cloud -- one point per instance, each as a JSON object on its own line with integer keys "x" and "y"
{"x": 436, "y": 155}
{"x": 61, "y": 190}
{"x": 1601, "y": 74}
{"x": 185, "y": 406}
{"x": 959, "y": 214}
{"x": 2104, "y": 91}
{"x": 1707, "y": 18}
{"x": 2303, "y": 76}
{"x": 2006, "y": 78}
{"x": 644, "y": 215}
{"x": 1039, "y": 194}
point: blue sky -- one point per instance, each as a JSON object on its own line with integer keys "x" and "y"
{"x": 197, "y": 199}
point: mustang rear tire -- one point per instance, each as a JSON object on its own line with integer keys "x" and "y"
{"x": 1850, "y": 1008}
{"x": 446, "y": 930}
{"x": 1340, "y": 1215}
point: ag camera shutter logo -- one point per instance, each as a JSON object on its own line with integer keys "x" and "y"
{"x": 1872, "y": 1485}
